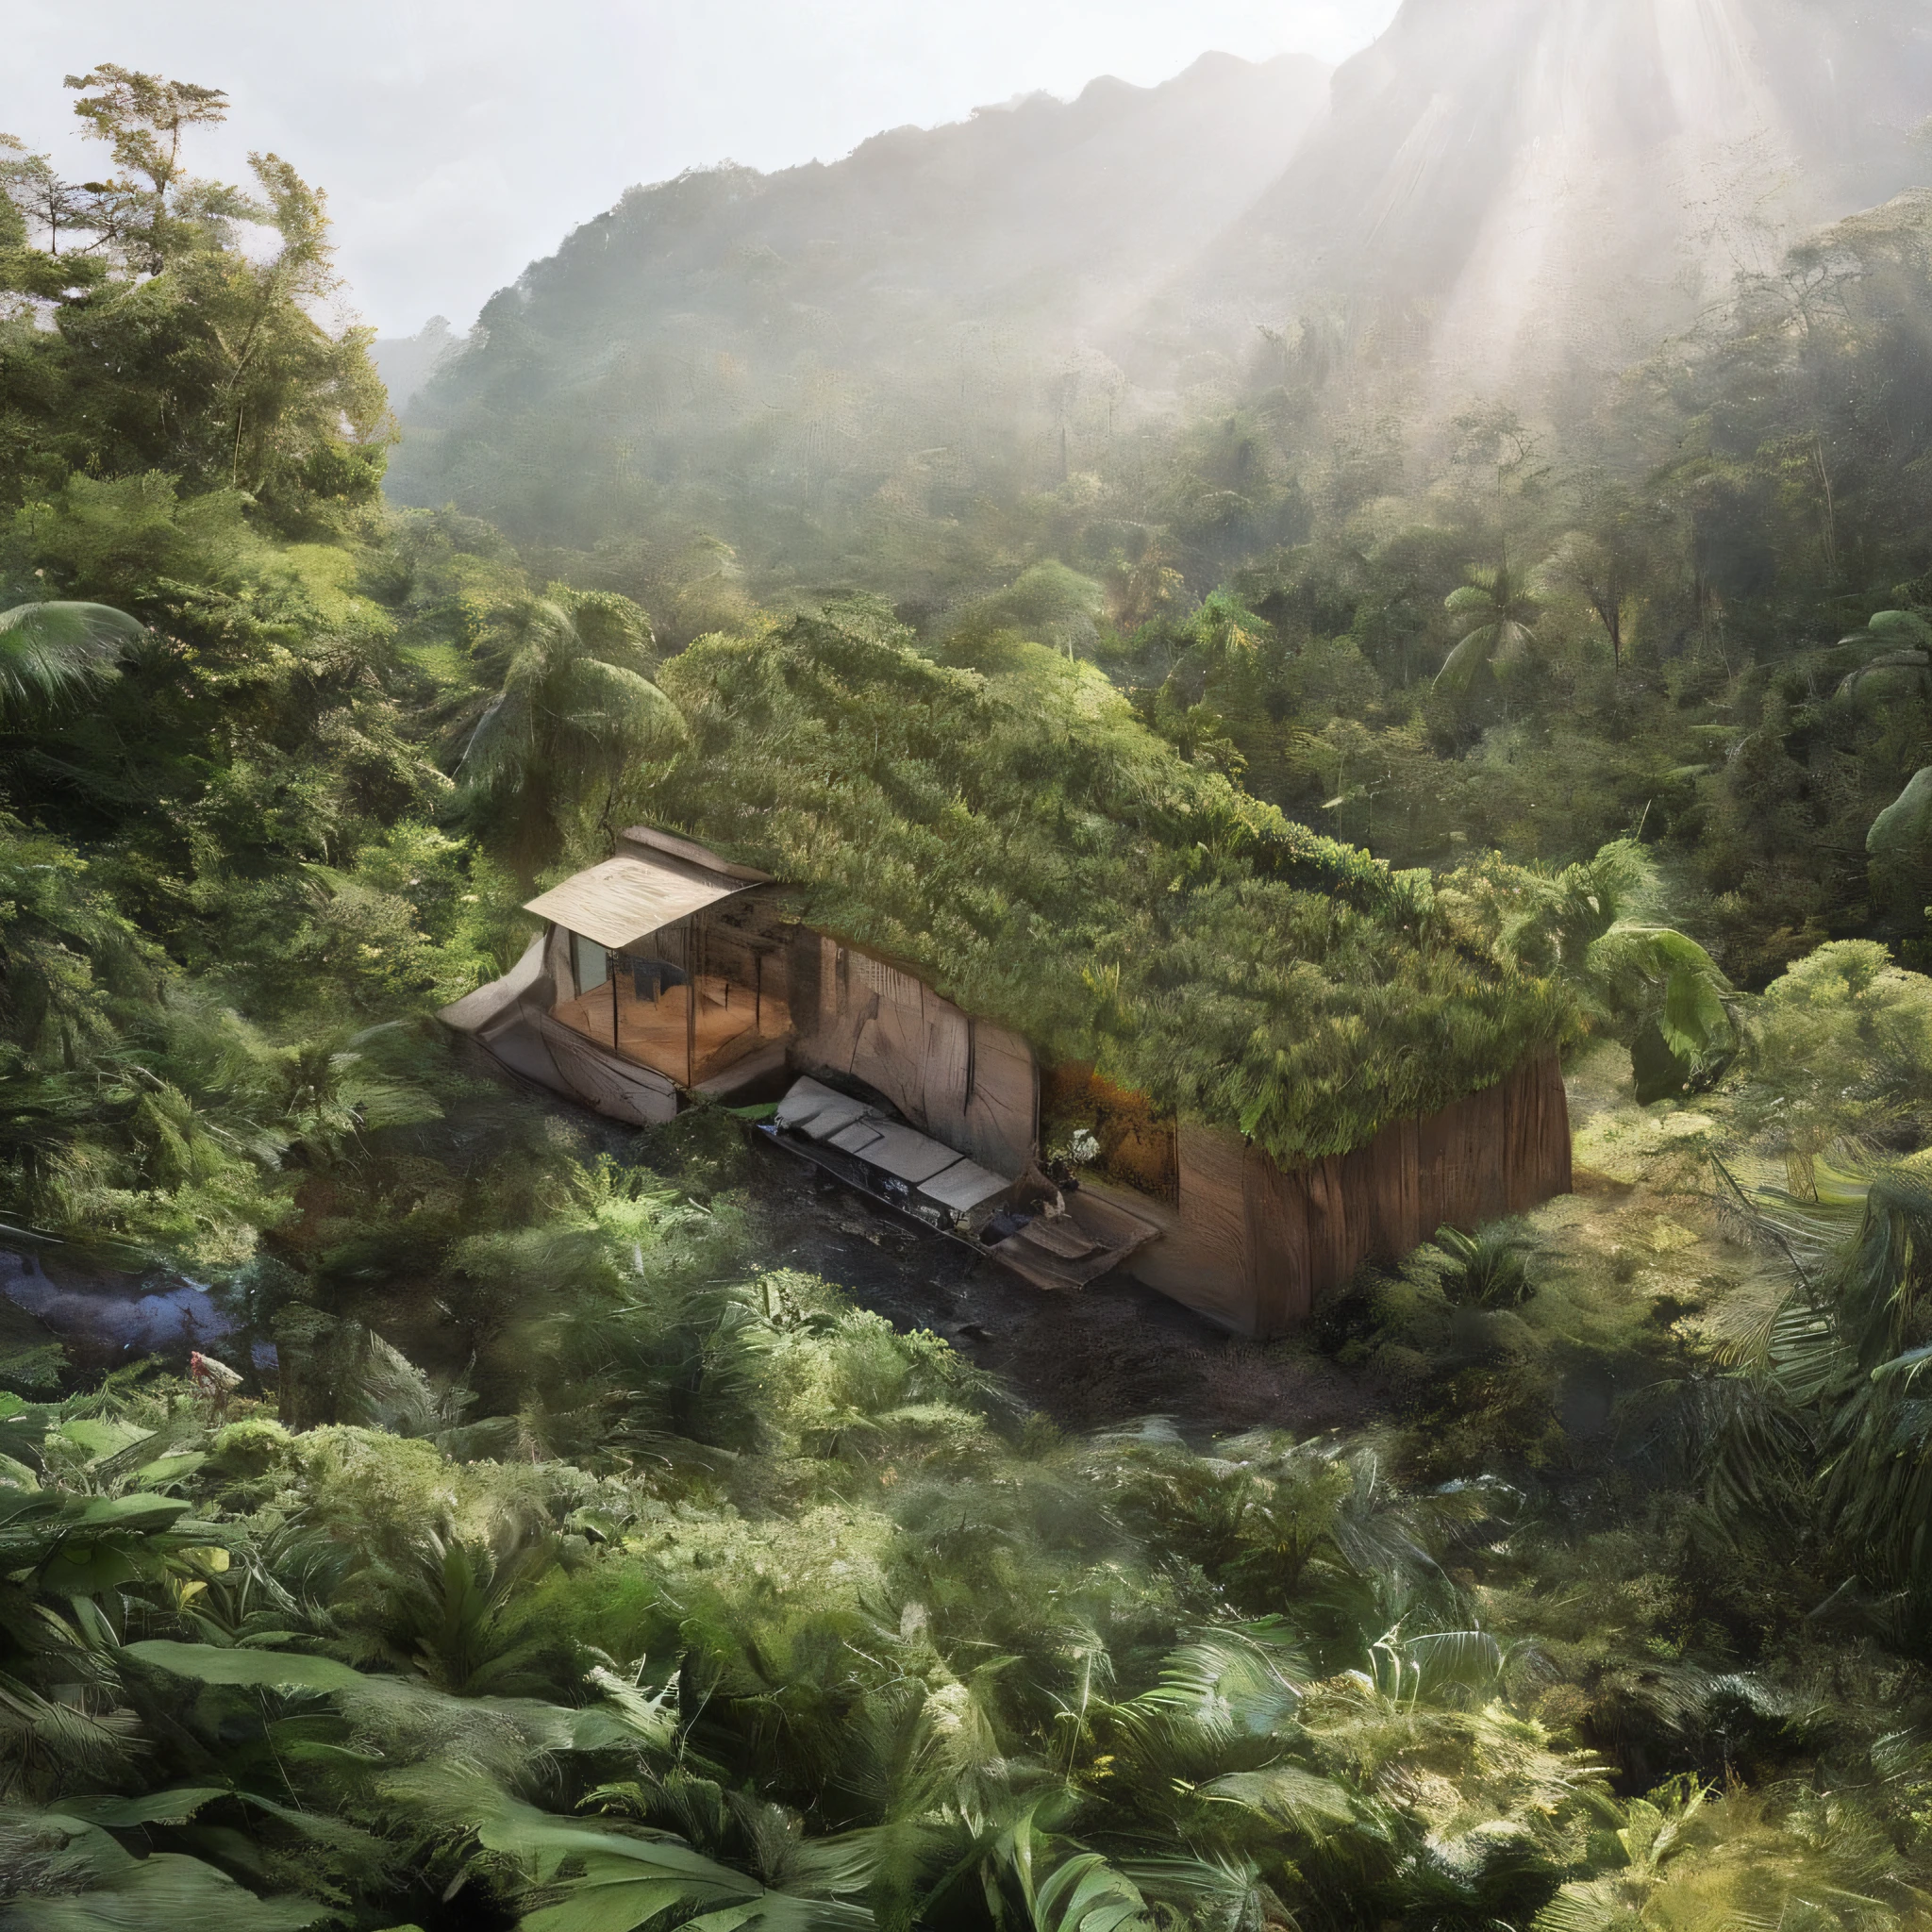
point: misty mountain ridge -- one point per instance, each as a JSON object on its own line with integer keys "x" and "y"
{"x": 942, "y": 287}
{"x": 1507, "y": 186}
{"x": 1070, "y": 210}
{"x": 1499, "y": 197}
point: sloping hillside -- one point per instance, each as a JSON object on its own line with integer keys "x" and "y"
{"x": 1509, "y": 201}
{"x": 1505, "y": 200}
{"x": 1504, "y": 187}
{"x": 805, "y": 337}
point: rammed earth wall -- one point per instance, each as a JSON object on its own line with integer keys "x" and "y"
{"x": 1253, "y": 1245}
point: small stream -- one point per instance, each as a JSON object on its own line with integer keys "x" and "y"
{"x": 107, "y": 1319}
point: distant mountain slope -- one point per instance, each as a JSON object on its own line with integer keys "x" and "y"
{"x": 1503, "y": 185}
{"x": 813, "y": 331}
{"x": 407, "y": 362}
{"x": 836, "y": 367}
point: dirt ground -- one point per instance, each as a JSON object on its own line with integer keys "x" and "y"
{"x": 1112, "y": 1354}
{"x": 1107, "y": 1355}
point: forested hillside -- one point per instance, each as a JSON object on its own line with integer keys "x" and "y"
{"x": 1522, "y": 196}
{"x": 867, "y": 373}
{"x": 1282, "y": 575}
{"x": 564, "y": 1558}
{"x": 920, "y": 322}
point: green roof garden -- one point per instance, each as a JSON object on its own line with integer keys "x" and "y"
{"x": 1017, "y": 836}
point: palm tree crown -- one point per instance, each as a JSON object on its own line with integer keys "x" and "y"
{"x": 571, "y": 712}
{"x": 1497, "y": 619}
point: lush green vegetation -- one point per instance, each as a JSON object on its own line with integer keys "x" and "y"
{"x": 1022, "y": 836}
{"x": 1646, "y": 607}
{"x": 582, "y": 1570}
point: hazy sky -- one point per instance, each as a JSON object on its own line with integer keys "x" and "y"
{"x": 458, "y": 138}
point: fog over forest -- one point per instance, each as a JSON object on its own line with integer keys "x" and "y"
{"x": 1505, "y": 211}
{"x": 1029, "y": 1034}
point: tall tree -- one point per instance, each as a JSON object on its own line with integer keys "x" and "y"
{"x": 142, "y": 117}
{"x": 1605, "y": 560}
{"x": 34, "y": 198}
{"x": 174, "y": 346}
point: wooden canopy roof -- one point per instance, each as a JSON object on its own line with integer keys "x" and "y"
{"x": 624, "y": 900}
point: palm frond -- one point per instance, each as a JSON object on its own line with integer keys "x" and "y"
{"x": 497, "y": 749}
{"x": 619, "y": 710}
{"x": 1460, "y": 666}
{"x": 83, "y": 1881}
{"x": 1286, "y": 1795}
{"x": 50, "y": 652}
{"x": 622, "y": 1878}
{"x": 1224, "y": 1682}
{"x": 1086, "y": 1893}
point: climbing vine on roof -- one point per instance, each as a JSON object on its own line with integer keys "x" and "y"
{"x": 1023, "y": 842}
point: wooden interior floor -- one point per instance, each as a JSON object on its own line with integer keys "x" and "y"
{"x": 653, "y": 1032}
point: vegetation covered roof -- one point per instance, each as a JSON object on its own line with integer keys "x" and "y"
{"x": 1021, "y": 839}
